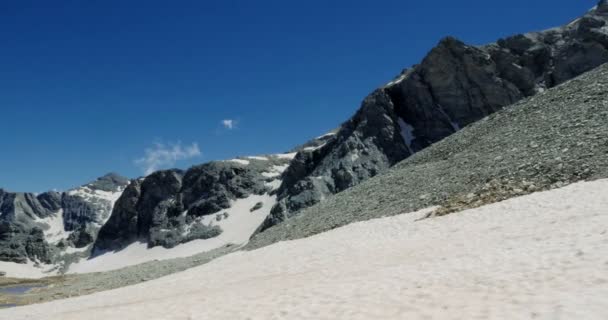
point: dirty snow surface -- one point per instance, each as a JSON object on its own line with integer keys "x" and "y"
{"x": 542, "y": 256}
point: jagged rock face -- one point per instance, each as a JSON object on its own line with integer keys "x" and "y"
{"x": 457, "y": 84}
{"x": 454, "y": 86}
{"x": 166, "y": 207}
{"x": 220, "y": 182}
{"x": 37, "y": 227}
{"x": 50, "y": 201}
{"x": 122, "y": 225}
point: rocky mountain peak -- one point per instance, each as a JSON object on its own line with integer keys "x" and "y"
{"x": 110, "y": 182}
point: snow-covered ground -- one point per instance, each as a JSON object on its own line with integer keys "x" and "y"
{"x": 29, "y": 270}
{"x": 542, "y": 256}
{"x": 237, "y": 228}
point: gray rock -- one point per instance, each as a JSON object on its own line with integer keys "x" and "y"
{"x": 256, "y": 207}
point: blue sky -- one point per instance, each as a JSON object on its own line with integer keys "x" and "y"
{"x": 90, "y": 87}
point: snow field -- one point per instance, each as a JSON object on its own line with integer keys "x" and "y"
{"x": 542, "y": 256}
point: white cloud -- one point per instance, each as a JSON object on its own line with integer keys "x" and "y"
{"x": 166, "y": 155}
{"x": 229, "y": 124}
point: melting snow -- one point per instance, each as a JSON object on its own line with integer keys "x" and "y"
{"x": 542, "y": 255}
{"x": 326, "y": 135}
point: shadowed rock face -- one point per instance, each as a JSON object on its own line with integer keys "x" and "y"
{"x": 454, "y": 86}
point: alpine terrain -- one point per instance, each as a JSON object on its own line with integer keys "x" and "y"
{"x": 481, "y": 167}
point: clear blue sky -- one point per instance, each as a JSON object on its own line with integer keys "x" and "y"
{"x": 87, "y": 86}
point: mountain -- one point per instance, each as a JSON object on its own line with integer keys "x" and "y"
{"x": 454, "y": 87}
{"x": 43, "y": 227}
{"x": 171, "y": 207}
{"x": 547, "y": 141}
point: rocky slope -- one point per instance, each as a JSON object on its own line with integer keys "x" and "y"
{"x": 455, "y": 85}
{"x": 546, "y": 141}
{"x": 42, "y": 227}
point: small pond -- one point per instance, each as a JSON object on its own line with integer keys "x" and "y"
{"x": 19, "y": 290}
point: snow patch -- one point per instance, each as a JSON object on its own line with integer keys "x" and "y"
{"x": 289, "y": 156}
{"x": 407, "y": 132}
{"x": 397, "y": 80}
{"x": 55, "y": 230}
{"x": 258, "y": 158}
{"x": 70, "y": 250}
{"x": 310, "y": 149}
{"x": 88, "y": 194}
{"x": 326, "y": 135}
{"x": 239, "y": 161}
{"x": 275, "y": 171}
{"x": 270, "y": 174}
{"x": 29, "y": 270}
